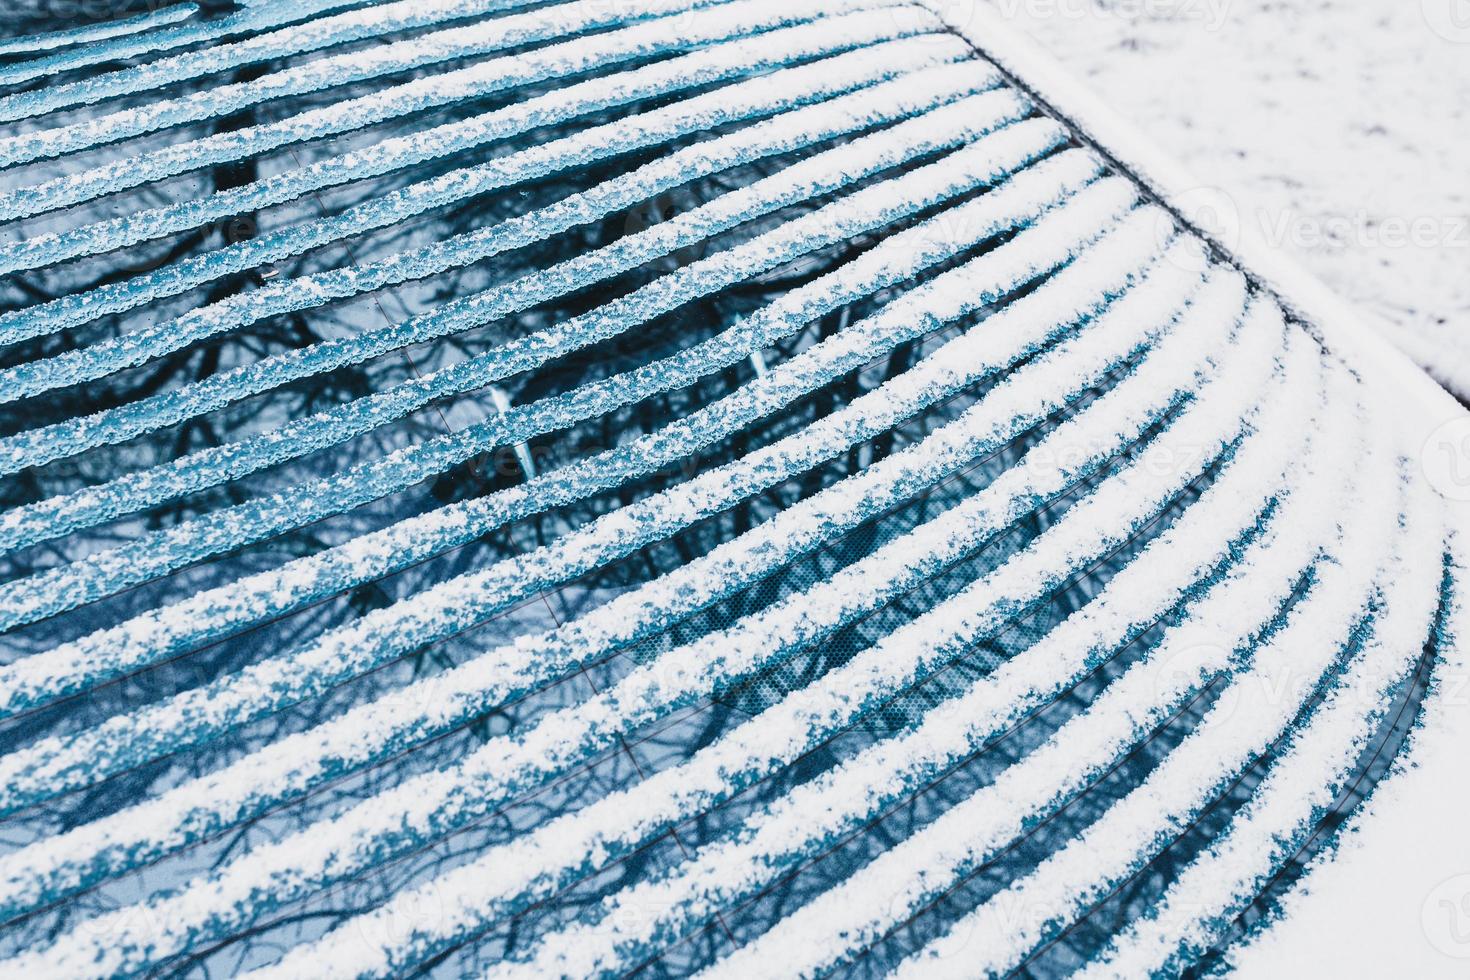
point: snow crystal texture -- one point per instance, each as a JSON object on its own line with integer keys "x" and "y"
{"x": 722, "y": 487}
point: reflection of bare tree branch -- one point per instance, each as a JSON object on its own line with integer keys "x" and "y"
{"x": 654, "y": 748}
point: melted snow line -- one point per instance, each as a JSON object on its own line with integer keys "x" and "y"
{"x": 1443, "y": 655}
{"x": 178, "y": 627}
{"x": 812, "y": 820}
{"x": 764, "y": 96}
{"x": 1256, "y": 708}
{"x": 1381, "y": 758}
{"x": 1317, "y": 760}
{"x": 781, "y": 93}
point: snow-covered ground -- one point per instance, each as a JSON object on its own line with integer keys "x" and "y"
{"x": 1336, "y": 127}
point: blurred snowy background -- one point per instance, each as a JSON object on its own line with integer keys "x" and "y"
{"x": 1339, "y": 128}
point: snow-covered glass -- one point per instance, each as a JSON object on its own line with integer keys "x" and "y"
{"x": 657, "y": 486}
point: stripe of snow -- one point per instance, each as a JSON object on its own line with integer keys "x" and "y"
{"x": 721, "y": 27}
{"x": 439, "y": 802}
{"x": 846, "y": 919}
{"x": 1420, "y": 404}
{"x": 783, "y": 91}
{"x": 59, "y": 515}
{"x": 943, "y": 130}
{"x": 528, "y": 663}
{"x": 311, "y": 34}
{"x": 577, "y": 843}
{"x": 1380, "y": 899}
{"x": 954, "y": 124}
{"x": 318, "y": 288}
{"x": 367, "y": 63}
{"x": 33, "y": 44}
{"x": 484, "y": 78}
{"x": 871, "y": 207}
{"x": 259, "y": 17}
{"x": 440, "y": 611}
{"x": 720, "y": 62}
{"x": 1258, "y": 707}
{"x": 1300, "y": 787}
{"x": 810, "y": 818}
{"x": 273, "y": 593}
